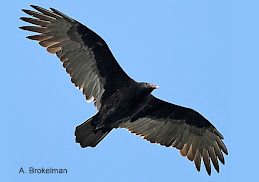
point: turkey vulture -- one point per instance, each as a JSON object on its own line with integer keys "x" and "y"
{"x": 121, "y": 102}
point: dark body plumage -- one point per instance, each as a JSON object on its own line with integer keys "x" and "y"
{"x": 121, "y": 102}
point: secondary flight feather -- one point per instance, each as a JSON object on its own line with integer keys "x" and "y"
{"x": 121, "y": 102}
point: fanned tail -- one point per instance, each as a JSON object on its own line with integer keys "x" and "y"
{"x": 87, "y": 135}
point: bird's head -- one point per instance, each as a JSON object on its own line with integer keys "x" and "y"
{"x": 151, "y": 86}
{"x": 148, "y": 86}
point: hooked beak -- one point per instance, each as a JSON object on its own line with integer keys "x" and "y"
{"x": 154, "y": 86}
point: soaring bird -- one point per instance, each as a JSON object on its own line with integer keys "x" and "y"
{"x": 121, "y": 102}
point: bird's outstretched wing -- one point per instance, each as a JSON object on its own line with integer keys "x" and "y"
{"x": 84, "y": 54}
{"x": 179, "y": 127}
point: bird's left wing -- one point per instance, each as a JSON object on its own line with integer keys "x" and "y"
{"x": 179, "y": 127}
{"x": 84, "y": 54}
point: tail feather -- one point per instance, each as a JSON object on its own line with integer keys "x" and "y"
{"x": 87, "y": 135}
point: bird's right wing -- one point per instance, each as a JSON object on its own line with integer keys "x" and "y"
{"x": 84, "y": 54}
{"x": 183, "y": 128}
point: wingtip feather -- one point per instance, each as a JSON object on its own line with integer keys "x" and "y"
{"x": 33, "y": 6}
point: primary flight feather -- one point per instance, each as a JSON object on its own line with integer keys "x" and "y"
{"x": 121, "y": 102}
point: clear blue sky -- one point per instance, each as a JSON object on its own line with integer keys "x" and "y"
{"x": 202, "y": 54}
